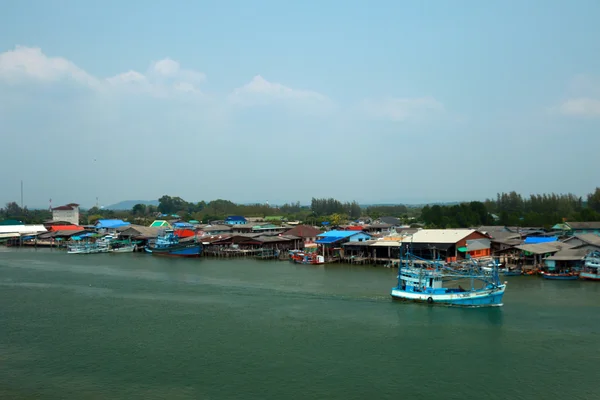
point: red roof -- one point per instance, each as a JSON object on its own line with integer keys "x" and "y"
{"x": 354, "y": 228}
{"x": 55, "y": 228}
{"x": 184, "y": 233}
{"x": 303, "y": 231}
{"x": 63, "y": 208}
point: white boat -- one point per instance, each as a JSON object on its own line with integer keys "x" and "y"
{"x": 591, "y": 267}
{"x": 126, "y": 248}
{"x": 87, "y": 248}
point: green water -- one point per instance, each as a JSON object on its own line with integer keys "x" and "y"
{"x": 133, "y": 326}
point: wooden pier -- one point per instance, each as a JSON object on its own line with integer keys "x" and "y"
{"x": 261, "y": 254}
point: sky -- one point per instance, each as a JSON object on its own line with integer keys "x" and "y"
{"x": 254, "y": 101}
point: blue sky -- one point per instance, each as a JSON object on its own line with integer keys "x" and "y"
{"x": 382, "y": 102}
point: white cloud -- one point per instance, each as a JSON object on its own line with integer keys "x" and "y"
{"x": 580, "y": 107}
{"x": 127, "y": 78}
{"x": 164, "y": 77}
{"x": 582, "y": 99}
{"x": 25, "y": 64}
{"x": 166, "y": 69}
{"x": 402, "y": 109}
{"x": 260, "y": 91}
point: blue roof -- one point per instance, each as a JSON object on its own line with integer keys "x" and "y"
{"x": 110, "y": 223}
{"x": 329, "y": 239}
{"x": 339, "y": 234}
{"x": 235, "y": 218}
{"x": 183, "y": 225}
{"x": 535, "y": 240}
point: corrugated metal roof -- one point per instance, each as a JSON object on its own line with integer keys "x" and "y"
{"x": 568, "y": 255}
{"x": 478, "y": 244}
{"x": 540, "y": 239}
{"x": 338, "y": 234}
{"x": 329, "y": 239}
{"x": 22, "y": 228}
{"x": 386, "y": 243}
{"x": 584, "y": 225}
{"x": 360, "y": 244}
{"x": 304, "y": 231}
{"x": 111, "y": 223}
{"x": 543, "y": 248}
{"x": 71, "y": 227}
{"x": 438, "y": 236}
{"x": 590, "y": 238}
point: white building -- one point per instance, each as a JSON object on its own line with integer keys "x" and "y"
{"x": 68, "y": 213}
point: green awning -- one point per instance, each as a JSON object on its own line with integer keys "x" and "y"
{"x": 462, "y": 249}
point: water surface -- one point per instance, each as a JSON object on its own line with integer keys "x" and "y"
{"x": 133, "y": 326}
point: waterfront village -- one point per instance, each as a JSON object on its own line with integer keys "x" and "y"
{"x": 529, "y": 250}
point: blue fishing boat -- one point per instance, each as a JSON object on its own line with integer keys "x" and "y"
{"x": 512, "y": 272}
{"x": 169, "y": 244}
{"x": 561, "y": 276}
{"x": 429, "y": 281}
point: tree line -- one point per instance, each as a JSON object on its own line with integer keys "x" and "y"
{"x": 508, "y": 209}
{"x": 513, "y": 209}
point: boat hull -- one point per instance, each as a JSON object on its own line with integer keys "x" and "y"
{"x": 561, "y": 277}
{"x": 589, "y": 276}
{"x": 125, "y": 249}
{"x": 478, "y": 298}
{"x": 512, "y": 273}
{"x": 192, "y": 250}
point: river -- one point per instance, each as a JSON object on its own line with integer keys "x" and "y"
{"x": 133, "y": 326}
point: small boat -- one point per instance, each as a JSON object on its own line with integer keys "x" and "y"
{"x": 591, "y": 267}
{"x": 563, "y": 276}
{"x": 512, "y": 272}
{"x": 88, "y": 248}
{"x": 123, "y": 247}
{"x": 424, "y": 281}
{"x": 300, "y": 257}
{"x": 169, "y": 244}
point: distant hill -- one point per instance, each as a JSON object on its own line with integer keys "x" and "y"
{"x": 128, "y": 204}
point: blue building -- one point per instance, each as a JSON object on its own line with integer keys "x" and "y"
{"x": 110, "y": 225}
{"x": 235, "y": 220}
{"x": 339, "y": 237}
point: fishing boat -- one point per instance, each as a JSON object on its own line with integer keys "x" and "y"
{"x": 562, "y": 276}
{"x": 512, "y": 272}
{"x": 301, "y": 257}
{"x": 169, "y": 244}
{"x": 122, "y": 247}
{"x": 591, "y": 267}
{"x": 88, "y": 248}
{"x": 427, "y": 281}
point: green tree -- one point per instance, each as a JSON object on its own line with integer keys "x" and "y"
{"x": 593, "y": 200}
{"x": 139, "y": 209}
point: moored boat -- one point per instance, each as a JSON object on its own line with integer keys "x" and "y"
{"x": 301, "y": 257}
{"x": 88, "y": 248}
{"x": 591, "y": 267}
{"x": 512, "y": 272}
{"x": 426, "y": 281}
{"x": 562, "y": 276}
{"x": 169, "y": 244}
{"x": 123, "y": 248}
